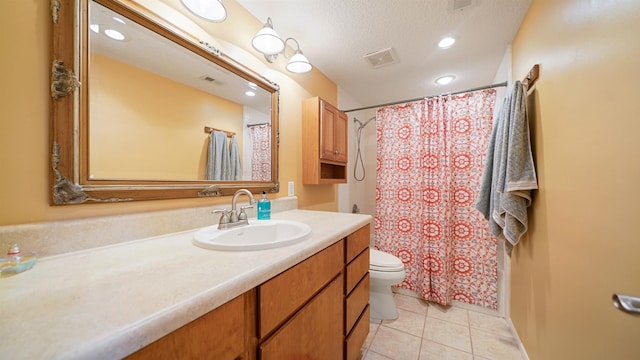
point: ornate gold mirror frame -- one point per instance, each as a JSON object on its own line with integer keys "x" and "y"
{"x": 69, "y": 176}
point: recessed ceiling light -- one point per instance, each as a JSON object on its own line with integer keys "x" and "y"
{"x": 114, "y": 34}
{"x": 444, "y": 80}
{"x": 250, "y": 93}
{"x": 446, "y": 42}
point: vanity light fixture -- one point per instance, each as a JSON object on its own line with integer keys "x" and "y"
{"x": 210, "y": 10}
{"x": 268, "y": 43}
{"x": 444, "y": 80}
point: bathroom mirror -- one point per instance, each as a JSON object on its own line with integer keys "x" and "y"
{"x": 134, "y": 101}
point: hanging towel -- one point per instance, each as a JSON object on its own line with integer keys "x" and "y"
{"x": 218, "y": 159}
{"x": 236, "y": 167}
{"x": 509, "y": 174}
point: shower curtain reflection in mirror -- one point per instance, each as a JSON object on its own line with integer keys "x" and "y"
{"x": 261, "y": 152}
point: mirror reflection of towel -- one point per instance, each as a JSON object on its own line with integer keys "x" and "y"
{"x": 218, "y": 157}
{"x": 235, "y": 166}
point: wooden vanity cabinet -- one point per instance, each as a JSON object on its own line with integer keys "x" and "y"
{"x": 317, "y": 309}
{"x": 324, "y": 143}
{"x": 356, "y": 292}
{"x": 300, "y": 310}
{"x": 314, "y": 331}
{"x": 223, "y": 333}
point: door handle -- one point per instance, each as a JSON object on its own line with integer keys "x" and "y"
{"x": 626, "y": 303}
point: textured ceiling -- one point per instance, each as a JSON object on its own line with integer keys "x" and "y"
{"x": 336, "y": 34}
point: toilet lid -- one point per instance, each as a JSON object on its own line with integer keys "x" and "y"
{"x": 382, "y": 261}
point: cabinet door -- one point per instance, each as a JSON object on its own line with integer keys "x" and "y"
{"x": 315, "y": 332}
{"x": 284, "y": 294}
{"x": 219, "y": 334}
{"x": 341, "y": 129}
{"x": 328, "y": 120}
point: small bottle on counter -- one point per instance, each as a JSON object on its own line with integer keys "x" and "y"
{"x": 16, "y": 262}
{"x": 264, "y": 208}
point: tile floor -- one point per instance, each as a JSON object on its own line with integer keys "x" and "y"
{"x": 426, "y": 331}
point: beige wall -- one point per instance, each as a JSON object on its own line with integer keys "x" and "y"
{"x": 25, "y": 26}
{"x": 583, "y": 242}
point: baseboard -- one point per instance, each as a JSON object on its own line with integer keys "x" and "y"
{"x": 514, "y": 332}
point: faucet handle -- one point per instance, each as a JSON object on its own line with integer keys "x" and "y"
{"x": 243, "y": 215}
{"x": 225, "y": 218}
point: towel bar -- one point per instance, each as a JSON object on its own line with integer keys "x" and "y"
{"x": 626, "y": 303}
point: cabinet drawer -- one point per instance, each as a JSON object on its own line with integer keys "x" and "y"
{"x": 356, "y": 242}
{"x": 355, "y": 303}
{"x": 219, "y": 334}
{"x": 356, "y": 270}
{"x": 281, "y": 296}
{"x": 314, "y": 332}
{"x": 354, "y": 342}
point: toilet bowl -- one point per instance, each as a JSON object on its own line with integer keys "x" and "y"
{"x": 385, "y": 270}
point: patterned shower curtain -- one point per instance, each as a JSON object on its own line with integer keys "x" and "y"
{"x": 430, "y": 157}
{"x": 261, "y": 152}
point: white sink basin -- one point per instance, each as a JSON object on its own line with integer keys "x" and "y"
{"x": 258, "y": 235}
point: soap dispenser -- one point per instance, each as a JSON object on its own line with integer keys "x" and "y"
{"x": 264, "y": 208}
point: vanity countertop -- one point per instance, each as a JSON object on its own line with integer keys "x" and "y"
{"x": 108, "y": 302}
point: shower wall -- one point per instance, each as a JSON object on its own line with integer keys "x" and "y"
{"x": 360, "y": 193}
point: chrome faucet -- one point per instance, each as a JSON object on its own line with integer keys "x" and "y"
{"x": 230, "y": 219}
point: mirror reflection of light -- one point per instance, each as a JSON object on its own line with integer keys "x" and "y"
{"x": 444, "y": 80}
{"x": 118, "y": 20}
{"x": 446, "y": 43}
{"x": 250, "y": 93}
{"x": 95, "y": 28}
{"x": 114, "y": 34}
{"x": 211, "y": 10}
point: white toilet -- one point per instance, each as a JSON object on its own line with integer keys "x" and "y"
{"x": 385, "y": 270}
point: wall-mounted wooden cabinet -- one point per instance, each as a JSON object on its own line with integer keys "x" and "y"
{"x": 324, "y": 143}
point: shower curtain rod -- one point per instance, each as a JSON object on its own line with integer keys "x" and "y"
{"x": 252, "y": 125}
{"x": 428, "y": 97}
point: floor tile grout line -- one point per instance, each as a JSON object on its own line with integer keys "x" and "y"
{"x": 446, "y": 345}
{"x": 372, "y": 338}
{"x": 424, "y": 327}
{"x": 473, "y": 354}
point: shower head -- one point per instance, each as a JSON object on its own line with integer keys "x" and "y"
{"x": 361, "y": 124}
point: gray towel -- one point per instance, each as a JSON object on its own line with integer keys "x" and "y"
{"x": 218, "y": 160}
{"x": 509, "y": 173}
{"x": 236, "y": 167}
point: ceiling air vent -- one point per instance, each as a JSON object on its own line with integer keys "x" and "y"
{"x": 381, "y": 58}
{"x": 459, "y": 5}
{"x": 210, "y": 79}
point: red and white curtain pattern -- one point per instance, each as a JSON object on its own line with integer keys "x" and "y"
{"x": 261, "y": 152}
{"x": 430, "y": 157}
